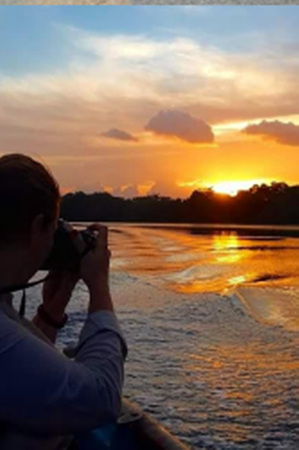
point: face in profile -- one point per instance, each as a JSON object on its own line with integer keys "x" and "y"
{"x": 41, "y": 239}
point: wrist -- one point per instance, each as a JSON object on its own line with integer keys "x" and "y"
{"x": 100, "y": 299}
{"x": 57, "y": 312}
{"x": 55, "y": 321}
{"x": 99, "y": 287}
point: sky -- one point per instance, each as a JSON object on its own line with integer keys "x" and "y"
{"x": 142, "y": 100}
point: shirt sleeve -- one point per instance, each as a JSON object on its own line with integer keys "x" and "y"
{"x": 43, "y": 392}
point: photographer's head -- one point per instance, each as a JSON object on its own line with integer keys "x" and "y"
{"x": 29, "y": 209}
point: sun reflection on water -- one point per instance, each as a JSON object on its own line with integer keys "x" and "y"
{"x": 224, "y": 369}
{"x": 192, "y": 263}
{"x": 225, "y": 245}
{"x": 237, "y": 280}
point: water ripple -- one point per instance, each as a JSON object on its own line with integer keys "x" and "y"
{"x": 220, "y": 370}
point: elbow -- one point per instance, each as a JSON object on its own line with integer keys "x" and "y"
{"x": 109, "y": 402}
{"x": 113, "y": 414}
{"x": 115, "y": 405}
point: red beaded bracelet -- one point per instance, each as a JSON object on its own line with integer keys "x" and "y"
{"x": 48, "y": 319}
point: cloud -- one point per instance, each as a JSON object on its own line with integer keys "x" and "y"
{"x": 127, "y": 191}
{"x": 283, "y": 133}
{"x": 170, "y": 189}
{"x": 115, "y": 133}
{"x": 181, "y": 125}
{"x": 111, "y": 80}
{"x": 128, "y": 78}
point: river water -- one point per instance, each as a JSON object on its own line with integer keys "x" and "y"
{"x": 211, "y": 316}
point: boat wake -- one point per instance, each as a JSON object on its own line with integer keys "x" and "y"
{"x": 276, "y": 306}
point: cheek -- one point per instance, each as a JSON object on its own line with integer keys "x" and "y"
{"x": 51, "y": 242}
{"x": 48, "y": 245}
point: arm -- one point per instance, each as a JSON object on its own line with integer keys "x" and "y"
{"x": 94, "y": 270}
{"x": 47, "y": 330}
{"x": 57, "y": 292}
{"x": 47, "y": 393}
{"x": 100, "y": 297}
{"x": 55, "y": 395}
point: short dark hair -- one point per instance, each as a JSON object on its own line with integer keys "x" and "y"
{"x": 27, "y": 188}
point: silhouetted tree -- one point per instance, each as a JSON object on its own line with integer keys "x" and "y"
{"x": 276, "y": 203}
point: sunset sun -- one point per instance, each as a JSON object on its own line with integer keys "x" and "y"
{"x": 233, "y": 187}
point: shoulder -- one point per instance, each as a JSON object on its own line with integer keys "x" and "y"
{"x": 11, "y": 332}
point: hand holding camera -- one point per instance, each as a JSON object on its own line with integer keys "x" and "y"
{"x": 57, "y": 291}
{"x": 78, "y": 254}
{"x": 94, "y": 271}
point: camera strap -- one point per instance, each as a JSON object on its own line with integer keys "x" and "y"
{"x": 22, "y": 287}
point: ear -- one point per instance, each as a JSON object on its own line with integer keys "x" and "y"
{"x": 37, "y": 225}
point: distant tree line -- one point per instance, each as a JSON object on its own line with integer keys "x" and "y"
{"x": 277, "y": 203}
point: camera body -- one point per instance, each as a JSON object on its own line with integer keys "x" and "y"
{"x": 64, "y": 254}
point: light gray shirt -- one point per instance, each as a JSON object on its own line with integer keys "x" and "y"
{"x": 42, "y": 392}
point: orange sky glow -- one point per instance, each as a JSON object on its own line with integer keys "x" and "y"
{"x": 135, "y": 113}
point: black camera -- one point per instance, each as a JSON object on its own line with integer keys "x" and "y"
{"x": 64, "y": 254}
